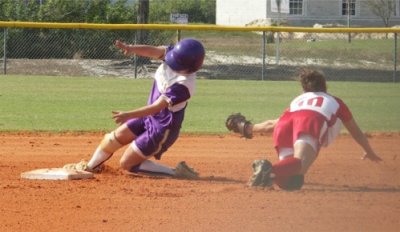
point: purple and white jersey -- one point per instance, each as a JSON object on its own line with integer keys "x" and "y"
{"x": 175, "y": 88}
{"x": 156, "y": 133}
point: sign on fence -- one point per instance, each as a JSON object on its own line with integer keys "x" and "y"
{"x": 179, "y": 18}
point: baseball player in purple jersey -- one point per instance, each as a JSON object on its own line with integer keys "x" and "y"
{"x": 150, "y": 130}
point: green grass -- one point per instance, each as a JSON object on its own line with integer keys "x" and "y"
{"x": 366, "y": 49}
{"x": 58, "y": 104}
{"x": 84, "y": 104}
{"x": 250, "y": 44}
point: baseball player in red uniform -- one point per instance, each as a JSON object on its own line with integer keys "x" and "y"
{"x": 313, "y": 120}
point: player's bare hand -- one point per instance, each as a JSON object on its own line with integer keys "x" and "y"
{"x": 120, "y": 117}
{"x": 372, "y": 156}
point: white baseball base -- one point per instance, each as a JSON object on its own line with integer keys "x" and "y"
{"x": 56, "y": 174}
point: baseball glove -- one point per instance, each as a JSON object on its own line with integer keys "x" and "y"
{"x": 238, "y": 124}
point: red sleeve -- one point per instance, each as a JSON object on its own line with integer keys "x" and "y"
{"x": 343, "y": 112}
{"x": 286, "y": 110}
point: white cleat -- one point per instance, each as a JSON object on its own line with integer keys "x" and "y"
{"x": 83, "y": 166}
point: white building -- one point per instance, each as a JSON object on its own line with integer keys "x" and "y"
{"x": 302, "y": 12}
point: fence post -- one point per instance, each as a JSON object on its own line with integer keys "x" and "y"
{"x": 263, "y": 56}
{"x": 179, "y": 35}
{"x": 5, "y": 52}
{"x": 278, "y": 38}
{"x": 135, "y": 60}
{"x": 395, "y": 57}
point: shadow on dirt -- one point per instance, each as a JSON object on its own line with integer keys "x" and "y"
{"x": 201, "y": 178}
{"x": 317, "y": 187}
{"x": 219, "y": 179}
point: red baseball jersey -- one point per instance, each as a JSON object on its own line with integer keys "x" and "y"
{"x": 314, "y": 113}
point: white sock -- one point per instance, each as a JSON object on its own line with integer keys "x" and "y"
{"x": 99, "y": 157}
{"x": 151, "y": 167}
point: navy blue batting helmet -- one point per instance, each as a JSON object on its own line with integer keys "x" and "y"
{"x": 186, "y": 56}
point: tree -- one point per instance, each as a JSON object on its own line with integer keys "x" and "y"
{"x": 199, "y": 11}
{"x": 385, "y": 9}
{"x": 143, "y": 18}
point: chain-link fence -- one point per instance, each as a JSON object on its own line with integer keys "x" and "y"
{"x": 229, "y": 54}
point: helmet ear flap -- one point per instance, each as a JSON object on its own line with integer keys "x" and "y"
{"x": 187, "y": 55}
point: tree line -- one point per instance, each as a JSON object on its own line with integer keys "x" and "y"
{"x": 67, "y": 43}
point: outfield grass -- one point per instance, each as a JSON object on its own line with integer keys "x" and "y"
{"x": 245, "y": 43}
{"x": 84, "y": 104}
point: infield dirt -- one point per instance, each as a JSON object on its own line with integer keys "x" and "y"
{"x": 342, "y": 192}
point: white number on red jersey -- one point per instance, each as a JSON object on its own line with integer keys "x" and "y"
{"x": 316, "y": 101}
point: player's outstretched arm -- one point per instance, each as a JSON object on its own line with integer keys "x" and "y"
{"x": 121, "y": 117}
{"x": 153, "y": 52}
{"x": 361, "y": 139}
{"x": 265, "y": 127}
{"x": 239, "y": 124}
